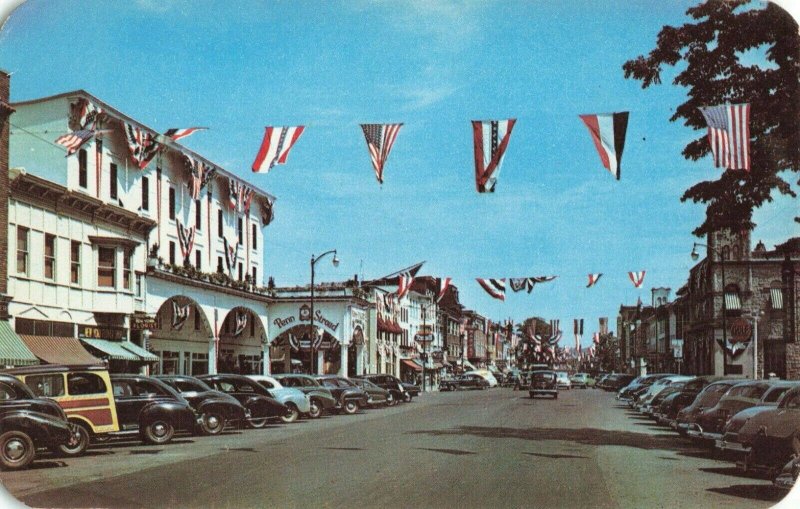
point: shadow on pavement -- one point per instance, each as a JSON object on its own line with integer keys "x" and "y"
{"x": 455, "y": 452}
{"x": 556, "y": 456}
{"x": 240, "y": 449}
{"x": 737, "y": 472}
{"x": 765, "y": 492}
{"x": 343, "y": 448}
{"x": 46, "y": 464}
{"x": 146, "y": 451}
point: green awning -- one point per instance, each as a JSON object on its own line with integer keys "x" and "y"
{"x": 141, "y": 352}
{"x": 113, "y": 350}
{"x": 13, "y": 351}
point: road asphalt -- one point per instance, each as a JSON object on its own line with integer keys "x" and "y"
{"x": 494, "y": 448}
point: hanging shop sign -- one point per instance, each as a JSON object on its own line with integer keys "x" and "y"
{"x": 143, "y": 322}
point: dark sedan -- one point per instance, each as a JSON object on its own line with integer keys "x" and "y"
{"x": 389, "y": 382}
{"x": 376, "y": 396}
{"x": 348, "y": 395}
{"x": 319, "y": 397}
{"x": 255, "y": 398}
{"x": 464, "y": 382}
{"x": 216, "y": 408}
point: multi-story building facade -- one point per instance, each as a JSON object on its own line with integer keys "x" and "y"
{"x": 476, "y": 328}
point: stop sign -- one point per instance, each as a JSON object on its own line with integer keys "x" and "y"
{"x": 740, "y": 330}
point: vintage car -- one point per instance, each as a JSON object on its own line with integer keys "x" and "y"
{"x": 83, "y": 392}
{"x": 254, "y": 396}
{"x": 28, "y": 423}
{"x": 376, "y": 396}
{"x": 391, "y": 383}
{"x": 787, "y": 477}
{"x": 216, "y": 409}
{"x": 667, "y": 412}
{"x": 485, "y": 373}
{"x": 709, "y": 424}
{"x": 349, "y": 397}
{"x": 707, "y": 398}
{"x": 562, "y": 380}
{"x": 643, "y": 402}
{"x": 320, "y": 399}
{"x": 613, "y": 383}
{"x": 295, "y": 400}
{"x": 729, "y": 443}
{"x": 580, "y": 380}
{"x": 655, "y": 403}
{"x": 773, "y": 434}
{"x": 463, "y": 382}
{"x": 411, "y": 391}
{"x": 150, "y": 408}
{"x": 543, "y": 382}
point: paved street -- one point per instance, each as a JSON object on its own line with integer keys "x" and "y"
{"x": 465, "y": 449}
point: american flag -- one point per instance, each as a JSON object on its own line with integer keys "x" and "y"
{"x": 75, "y": 139}
{"x": 200, "y": 176}
{"x": 142, "y": 144}
{"x": 380, "y": 138}
{"x": 404, "y": 283}
{"x": 729, "y": 135}
{"x": 179, "y": 314}
{"x": 177, "y": 134}
{"x": 241, "y": 323}
{"x": 275, "y": 147}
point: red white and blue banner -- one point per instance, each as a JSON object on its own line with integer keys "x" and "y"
{"x": 380, "y": 138}
{"x": 142, "y": 145}
{"x": 185, "y": 240}
{"x": 404, "y": 282}
{"x": 608, "y": 133}
{"x": 179, "y": 315}
{"x": 494, "y": 287}
{"x": 275, "y": 147}
{"x": 593, "y": 279}
{"x": 527, "y": 283}
{"x": 444, "y": 284}
{"x": 491, "y": 139}
{"x": 578, "y": 329}
{"x": 176, "y": 134}
{"x": 231, "y": 255}
{"x": 241, "y": 322}
{"x": 199, "y": 175}
{"x": 637, "y": 278}
{"x": 84, "y": 115}
{"x": 267, "y": 211}
{"x": 729, "y": 135}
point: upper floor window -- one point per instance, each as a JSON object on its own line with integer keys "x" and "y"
{"x": 255, "y": 279}
{"x": 112, "y": 181}
{"x": 239, "y": 229}
{"x": 240, "y": 271}
{"x": 127, "y": 278}
{"x": 219, "y": 223}
{"x": 255, "y": 236}
{"x": 75, "y": 262}
{"x": 83, "y": 174}
{"x": 139, "y": 285}
{"x": 145, "y": 193}
{"x": 49, "y": 256}
{"x": 171, "y": 252}
{"x": 219, "y": 264}
{"x": 172, "y": 203}
{"x": 197, "y": 261}
{"x": 23, "y": 236}
{"x": 198, "y": 219}
{"x": 106, "y": 267}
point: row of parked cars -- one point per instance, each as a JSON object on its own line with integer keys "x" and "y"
{"x": 66, "y": 408}
{"x": 755, "y": 423}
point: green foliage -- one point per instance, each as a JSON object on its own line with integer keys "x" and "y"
{"x": 708, "y": 52}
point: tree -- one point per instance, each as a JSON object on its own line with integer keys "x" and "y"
{"x": 711, "y": 48}
{"x": 607, "y": 353}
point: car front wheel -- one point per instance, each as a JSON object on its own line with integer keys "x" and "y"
{"x": 77, "y": 444}
{"x": 350, "y": 407}
{"x": 158, "y": 432}
{"x": 407, "y": 397}
{"x": 212, "y": 423}
{"x": 16, "y": 450}
{"x": 315, "y": 410}
{"x": 390, "y": 401}
{"x": 292, "y": 415}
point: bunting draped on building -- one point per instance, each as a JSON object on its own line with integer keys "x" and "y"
{"x": 491, "y": 140}
{"x": 637, "y": 278}
{"x": 380, "y": 138}
{"x": 84, "y": 115}
{"x": 444, "y": 284}
{"x": 176, "y": 134}
{"x": 555, "y": 332}
{"x": 247, "y": 199}
{"x": 275, "y": 147}
{"x": 729, "y": 135}
{"x": 241, "y": 322}
{"x": 494, "y": 287}
{"x": 200, "y": 174}
{"x": 231, "y": 255}
{"x": 185, "y": 240}
{"x": 179, "y": 315}
{"x": 578, "y": 328}
{"x": 240, "y": 196}
{"x": 267, "y": 211}
{"x": 608, "y": 133}
{"x": 593, "y": 279}
{"x": 142, "y": 145}
{"x": 404, "y": 283}
{"x": 527, "y": 283}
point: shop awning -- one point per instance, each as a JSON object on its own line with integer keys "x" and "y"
{"x": 145, "y": 355}
{"x": 59, "y": 350}
{"x": 13, "y": 351}
{"x": 732, "y": 301}
{"x": 113, "y": 350}
{"x": 776, "y": 296}
{"x": 411, "y": 364}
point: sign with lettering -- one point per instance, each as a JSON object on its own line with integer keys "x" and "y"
{"x": 143, "y": 322}
{"x": 109, "y": 333}
{"x": 740, "y": 330}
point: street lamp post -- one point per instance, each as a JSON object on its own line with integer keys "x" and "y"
{"x": 695, "y": 256}
{"x": 313, "y": 345}
{"x": 756, "y": 315}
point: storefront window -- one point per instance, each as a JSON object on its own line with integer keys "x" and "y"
{"x": 199, "y": 364}
{"x": 169, "y": 362}
{"x": 106, "y": 267}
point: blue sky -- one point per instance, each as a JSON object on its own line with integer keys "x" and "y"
{"x": 434, "y": 66}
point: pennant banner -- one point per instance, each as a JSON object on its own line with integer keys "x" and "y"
{"x": 404, "y": 284}
{"x": 491, "y": 140}
{"x": 185, "y": 240}
{"x": 177, "y": 134}
{"x": 608, "y": 133}
{"x": 527, "y": 283}
{"x": 200, "y": 175}
{"x": 637, "y": 278}
{"x": 142, "y": 144}
{"x": 380, "y": 138}
{"x": 275, "y": 147}
{"x": 729, "y": 135}
{"x": 179, "y": 315}
{"x": 494, "y": 287}
{"x": 231, "y": 255}
{"x": 444, "y": 284}
{"x": 593, "y": 279}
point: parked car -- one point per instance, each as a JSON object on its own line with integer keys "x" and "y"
{"x": 707, "y": 398}
{"x": 543, "y": 382}
{"x": 411, "y": 391}
{"x": 485, "y": 373}
{"x": 644, "y": 400}
{"x": 473, "y": 381}
{"x": 773, "y": 434}
{"x": 614, "y": 383}
{"x": 216, "y": 409}
{"x": 524, "y": 381}
{"x": 151, "y": 408}
{"x": 255, "y": 398}
{"x": 320, "y": 398}
{"x": 787, "y": 477}
{"x": 655, "y": 403}
{"x": 562, "y": 380}
{"x": 376, "y": 396}
{"x": 295, "y": 400}
{"x": 667, "y": 413}
{"x": 580, "y": 380}
{"x": 28, "y": 423}
{"x": 349, "y": 397}
{"x": 389, "y": 382}
{"x": 709, "y": 424}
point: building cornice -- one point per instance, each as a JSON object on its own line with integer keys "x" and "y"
{"x": 205, "y": 285}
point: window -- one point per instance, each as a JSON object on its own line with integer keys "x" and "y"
{"x": 172, "y": 203}
{"x": 79, "y": 384}
{"x": 197, "y": 215}
{"x": 196, "y": 313}
{"x": 112, "y": 181}
{"x": 255, "y": 281}
{"x": 49, "y": 256}
{"x": 139, "y": 285}
{"x": 199, "y": 363}
{"x": 240, "y": 271}
{"x": 83, "y": 175}
{"x": 219, "y": 264}
{"x": 239, "y": 229}
{"x": 219, "y": 223}
{"x": 106, "y": 267}
{"x": 126, "y": 271}
{"x": 46, "y": 386}
{"x": 75, "y": 262}
{"x": 252, "y": 327}
{"x": 145, "y": 193}
{"x": 22, "y": 249}
{"x": 197, "y": 259}
{"x": 172, "y": 252}
{"x": 255, "y": 236}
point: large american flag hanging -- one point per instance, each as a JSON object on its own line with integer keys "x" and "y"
{"x": 729, "y": 135}
{"x": 200, "y": 174}
{"x": 404, "y": 282}
{"x": 275, "y": 147}
{"x": 74, "y": 140}
{"x": 185, "y": 240}
{"x": 494, "y": 287}
{"x": 491, "y": 140}
{"x": 380, "y": 138}
{"x": 637, "y": 278}
{"x": 142, "y": 144}
{"x": 231, "y": 254}
{"x": 177, "y": 134}
{"x": 608, "y": 133}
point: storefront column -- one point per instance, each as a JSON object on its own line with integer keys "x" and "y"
{"x": 320, "y": 362}
{"x": 360, "y": 360}
{"x": 212, "y": 355}
{"x": 343, "y": 358}
{"x": 266, "y": 364}
{"x": 145, "y": 370}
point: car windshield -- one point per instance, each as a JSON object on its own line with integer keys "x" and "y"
{"x": 775, "y": 394}
{"x": 189, "y": 385}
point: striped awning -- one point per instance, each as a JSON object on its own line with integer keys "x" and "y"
{"x": 13, "y": 351}
{"x": 776, "y": 296}
{"x": 112, "y": 350}
{"x": 144, "y": 355}
{"x": 732, "y": 301}
{"x": 59, "y": 350}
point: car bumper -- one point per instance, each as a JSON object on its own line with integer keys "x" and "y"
{"x": 735, "y": 447}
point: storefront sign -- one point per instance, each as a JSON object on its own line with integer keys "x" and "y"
{"x": 303, "y": 316}
{"x": 677, "y": 348}
{"x": 110, "y": 333}
{"x": 143, "y": 322}
{"x": 740, "y": 330}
